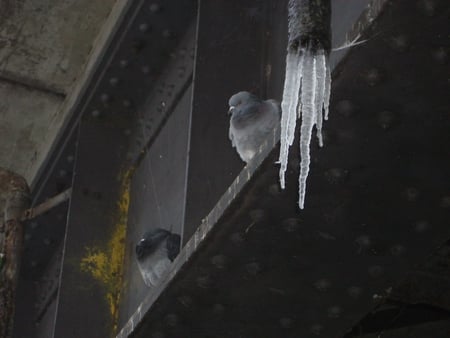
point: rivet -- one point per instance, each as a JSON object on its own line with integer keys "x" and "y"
{"x": 274, "y": 189}
{"x": 373, "y": 77}
{"x": 257, "y": 215}
{"x": 322, "y": 284}
{"x": 237, "y": 238}
{"x": 123, "y": 63}
{"x": 143, "y": 27}
{"x": 95, "y": 113}
{"x": 334, "y": 311}
{"x": 428, "y": 7}
{"x": 253, "y": 268}
{"x": 440, "y": 55}
{"x": 336, "y": 175}
{"x": 376, "y": 271}
{"x": 399, "y": 43}
{"x": 70, "y": 158}
{"x": 158, "y": 334}
{"x": 185, "y": 300}
{"x": 397, "y": 250}
{"x": 421, "y": 226}
{"x": 182, "y": 51}
{"x": 386, "y": 119}
{"x": 204, "y": 281}
{"x": 316, "y": 329}
{"x": 104, "y": 97}
{"x": 363, "y": 242}
{"x": 171, "y": 319}
{"x": 154, "y": 7}
{"x": 445, "y": 202}
{"x": 354, "y": 291}
{"x": 218, "y": 309}
{"x": 286, "y": 322}
{"x": 346, "y": 108}
{"x": 113, "y": 81}
{"x": 219, "y": 261}
{"x": 411, "y": 194}
{"x": 291, "y": 224}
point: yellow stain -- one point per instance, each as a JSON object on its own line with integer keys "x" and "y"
{"x": 105, "y": 264}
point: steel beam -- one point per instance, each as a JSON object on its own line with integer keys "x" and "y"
{"x": 378, "y": 202}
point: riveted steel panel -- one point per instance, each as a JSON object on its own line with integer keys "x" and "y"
{"x": 377, "y": 203}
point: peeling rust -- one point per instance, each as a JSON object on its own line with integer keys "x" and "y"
{"x": 14, "y": 199}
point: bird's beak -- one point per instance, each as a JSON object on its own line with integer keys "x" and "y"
{"x": 231, "y": 109}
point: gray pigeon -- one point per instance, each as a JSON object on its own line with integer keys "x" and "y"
{"x": 155, "y": 253}
{"x": 252, "y": 121}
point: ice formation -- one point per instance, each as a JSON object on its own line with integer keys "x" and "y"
{"x": 306, "y": 94}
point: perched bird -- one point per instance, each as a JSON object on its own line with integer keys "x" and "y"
{"x": 151, "y": 241}
{"x": 252, "y": 121}
{"x": 155, "y": 252}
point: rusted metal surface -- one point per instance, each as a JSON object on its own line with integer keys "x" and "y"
{"x": 47, "y": 205}
{"x": 309, "y": 25}
{"x": 14, "y": 199}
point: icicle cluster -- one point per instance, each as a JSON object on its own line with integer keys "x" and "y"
{"x": 306, "y": 95}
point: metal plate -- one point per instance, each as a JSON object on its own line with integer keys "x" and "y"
{"x": 376, "y": 203}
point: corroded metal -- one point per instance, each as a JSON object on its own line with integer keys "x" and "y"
{"x": 14, "y": 199}
{"x": 309, "y": 24}
{"x": 47, "y": 205}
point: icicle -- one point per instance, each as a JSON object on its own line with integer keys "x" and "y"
{"x": 320, "y": 93}
{"x": 289, "y": 108}
{"x": 326, "y": 100}
{"x": 308, "y": 99}
{"x": 307, "y": 68}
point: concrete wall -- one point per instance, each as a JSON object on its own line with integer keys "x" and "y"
{"x": 44, "y": 47}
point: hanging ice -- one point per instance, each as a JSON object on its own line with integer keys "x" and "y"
{"x": 306, "y": 89}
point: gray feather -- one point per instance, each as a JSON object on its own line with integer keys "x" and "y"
{"x": 252, "y": 121}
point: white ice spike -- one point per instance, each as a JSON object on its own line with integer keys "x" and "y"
{"x": 320, "y": 74}
{"x": 308, "y": 99}
{"x": 289, "y": 106}
{"x": 326, "y": 100}
{"x": 306, "y": 95}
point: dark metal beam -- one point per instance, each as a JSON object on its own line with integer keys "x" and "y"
{"x": 378, "y": 203}
{"x": 230, "y": 58}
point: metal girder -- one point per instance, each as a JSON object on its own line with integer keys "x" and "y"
{"x": 266, "y": 268}
{"x": 377, "y": 202}
{"x": 109, "y": 148}
{"x": 44, "y": 236}
{"x": 429, "y": 282}
{"x": 395, "y": 319}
